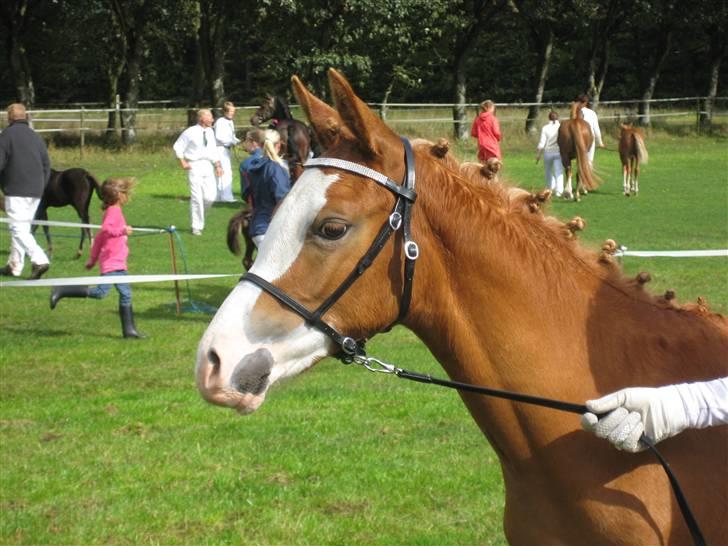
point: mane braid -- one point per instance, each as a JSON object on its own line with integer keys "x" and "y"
{"x": 501, "y": 206}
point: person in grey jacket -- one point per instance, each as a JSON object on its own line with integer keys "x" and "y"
{"x": 24, "y": 172}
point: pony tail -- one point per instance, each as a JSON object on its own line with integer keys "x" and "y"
{"x": 272, "y": 137}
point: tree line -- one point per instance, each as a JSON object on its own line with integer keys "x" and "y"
{"x": 202, "y": 52}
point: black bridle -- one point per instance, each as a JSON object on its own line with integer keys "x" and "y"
{"x": 351, "y": 350}
{"x": 399, "y": 218}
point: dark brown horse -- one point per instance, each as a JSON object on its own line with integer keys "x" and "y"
{"x": 575, "y": 138}
{"x": 297, "y": 141}
{"x": 237, "y": 226}
{"x": 632, "y": 153}
{"x": 70, "y": 187}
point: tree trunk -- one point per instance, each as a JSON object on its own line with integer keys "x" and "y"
{"x": 385, "y": 99}
{"x": 652, "y": 75}
{"x": 716, "y": 52}
{"x": 14, "y": 17}
{"x": 459, "y": 107}
{"x": 598, "y": 66}
{"x": 133, "y": 72}
{"x": 545, "y": 48}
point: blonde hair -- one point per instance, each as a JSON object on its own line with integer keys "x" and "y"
{"x": 272, "y": 137}
{"x": 16, "y": 111}
{"x": 227, "y": 106}
{"x": 113, "y": 188}
{"x": 486, "y": 104}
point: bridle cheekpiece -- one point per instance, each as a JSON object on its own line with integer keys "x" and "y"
{"x": 399, "y": 218}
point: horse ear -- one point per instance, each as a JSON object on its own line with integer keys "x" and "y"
{"x": 325, "y": 121}
{"x": 373, "y": 133}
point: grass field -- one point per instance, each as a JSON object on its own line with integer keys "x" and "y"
{"x": 106, "y": 441}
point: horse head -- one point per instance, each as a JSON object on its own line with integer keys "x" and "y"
{"x": 264, "y": 111}
{"x": 318, "y": 234}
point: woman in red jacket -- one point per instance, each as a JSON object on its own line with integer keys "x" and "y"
{"x": 487, "y": 130}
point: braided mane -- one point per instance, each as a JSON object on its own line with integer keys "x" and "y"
{"x": 521, "y": 213}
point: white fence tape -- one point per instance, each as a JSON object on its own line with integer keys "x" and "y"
{"x": 672, "y": 253}
{"x": 113, "y": 279}
{"x": 92, "y": 226}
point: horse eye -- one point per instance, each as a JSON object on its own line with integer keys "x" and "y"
{"x": 333, "y": 230}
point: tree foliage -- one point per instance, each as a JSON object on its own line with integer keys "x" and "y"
{"x": 455, "y": 51}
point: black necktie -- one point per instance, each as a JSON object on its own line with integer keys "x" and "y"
{"x": 204, "y": 138}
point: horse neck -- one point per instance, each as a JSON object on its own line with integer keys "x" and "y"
{"x": 523, "y": 309}
{"x": 282, "y": 111}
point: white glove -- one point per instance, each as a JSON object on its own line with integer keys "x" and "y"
{"x": 658, "y": 413}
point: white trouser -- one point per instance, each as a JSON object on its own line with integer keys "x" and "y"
{"x": 203, "y": 190}
{"x": 225, "y": 182}
{"x": 21, "y": 211}
{"x": 554, "y": 172}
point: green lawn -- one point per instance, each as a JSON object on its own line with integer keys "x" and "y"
{"x": 106, "y": 441}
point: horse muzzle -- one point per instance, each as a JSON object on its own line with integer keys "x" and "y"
{"x": 244, "y": 390}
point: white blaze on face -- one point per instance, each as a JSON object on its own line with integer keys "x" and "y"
{"x": 231, "y": 336}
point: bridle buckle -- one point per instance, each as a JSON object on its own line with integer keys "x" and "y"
{"x": 411, "y": 250}
{"x": 395, "y": 220}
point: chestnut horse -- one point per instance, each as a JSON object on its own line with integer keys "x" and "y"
{"x": 575, "y": 138}
{"x": 296, "y": 137}
{"x": 504, "y": 297}
{"x": 632, "y": 153}
{"x": 238, "y": 226}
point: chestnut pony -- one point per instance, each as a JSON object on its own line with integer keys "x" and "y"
{"x": 632, "y": 153}
{"x": 504, "y": 297}
{"x": 575, "y": 138}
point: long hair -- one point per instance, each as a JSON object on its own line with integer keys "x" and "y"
{"x": 113, "y": 188}
{"x": 272, "y": 137}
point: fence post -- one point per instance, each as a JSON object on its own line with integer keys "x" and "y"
{"x": 697, "y": 115}
{"x": 80, "y": 128}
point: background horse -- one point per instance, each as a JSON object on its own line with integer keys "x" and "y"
{"x": 632, "y": 153}
{"x": 575, "y": 138}
{"x": 506, "y": 298}
{"x": 296, "y": 138}
{"x": 238, "y": 225}
{"x": 71, "y": 187}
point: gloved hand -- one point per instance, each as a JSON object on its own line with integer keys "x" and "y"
{"x": 658, "y": 413}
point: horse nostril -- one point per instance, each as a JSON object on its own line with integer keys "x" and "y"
{"x": 214, "y": 359}
{"x": 252, "y": 372}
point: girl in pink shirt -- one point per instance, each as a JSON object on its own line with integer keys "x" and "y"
{"x": 110, "y": 250}
{"x": 487, "y": 130}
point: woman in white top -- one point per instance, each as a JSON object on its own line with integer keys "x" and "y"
{"x": 226, "y": 139}
{"x": 549, "y": 147}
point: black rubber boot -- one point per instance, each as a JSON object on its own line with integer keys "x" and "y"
{"x": 58, "y": 292}
{"x": 128, "y": 328}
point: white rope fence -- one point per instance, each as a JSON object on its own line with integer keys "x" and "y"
{"x": 77, "y": 225}
{"x": 111, "y": 279}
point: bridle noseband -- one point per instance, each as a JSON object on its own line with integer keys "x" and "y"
{"x": 400, "y": 217}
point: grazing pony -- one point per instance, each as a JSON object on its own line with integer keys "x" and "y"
{"x": 297, "y": 141}
{"x": 575, "y": 138}
{"x": 238, "y": 225}
{"x": 503, "y": 296}
{"x": 73, "y": 187}
{"x": 632, "y": 153}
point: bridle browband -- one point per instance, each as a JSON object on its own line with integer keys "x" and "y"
{"x": 400, "y": 217}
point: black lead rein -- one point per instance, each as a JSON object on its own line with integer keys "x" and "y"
{"x": 376, "y": 365}
{"x": 353, "y": 351}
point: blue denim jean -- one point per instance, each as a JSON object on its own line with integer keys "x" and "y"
{"x": 102, "y": 290}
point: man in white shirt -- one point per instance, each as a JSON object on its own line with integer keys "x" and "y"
{"x": 197, "y": 152}
{"x": 590, "y": 116}
{"x": 548, "y": 145}
{"x": 226, "y": 139}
